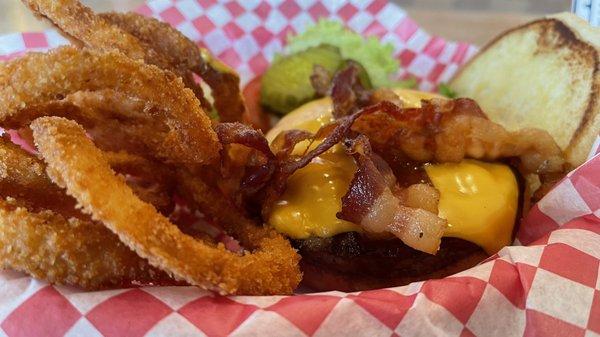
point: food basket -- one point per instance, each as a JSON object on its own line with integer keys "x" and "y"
{"x": 546, "y": 284}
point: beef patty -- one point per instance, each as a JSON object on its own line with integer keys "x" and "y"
{"x": 353, "y": 261}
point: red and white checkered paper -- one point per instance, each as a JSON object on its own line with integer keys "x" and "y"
{"x": 549, "y": 287}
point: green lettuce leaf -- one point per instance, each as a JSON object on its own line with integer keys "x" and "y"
{"x": 445, "y": 90}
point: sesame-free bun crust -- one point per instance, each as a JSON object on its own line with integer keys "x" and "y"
{"x": 542, "y": 74}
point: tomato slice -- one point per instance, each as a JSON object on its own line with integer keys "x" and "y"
{"x": 256, "y": 116}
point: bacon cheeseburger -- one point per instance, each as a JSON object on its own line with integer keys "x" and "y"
{"x": 422, "y": 187}
{"x": 426, "y": 218}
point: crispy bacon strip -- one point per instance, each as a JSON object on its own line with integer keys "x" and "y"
{"x": 258, "y": 172}
{"x": 286, "y": 141}
{"x": 238, "y": 133}
{"x": 320, "y": 79}
{"x": 445, "y": 131}
{"x": 347, "y": 92}
{"x": 287, "y": 164}
{"x": 372, "y": 203}
{"x": 451, "y": 130}
{"x": 259, "y": 175}
{"x": 331, "y": 135}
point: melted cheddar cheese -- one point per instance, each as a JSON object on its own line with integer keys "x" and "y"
{"x": 478, "y": 199}
{"x": 313, "y": 197}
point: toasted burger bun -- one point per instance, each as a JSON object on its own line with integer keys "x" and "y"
{"x": 543, "y": 74}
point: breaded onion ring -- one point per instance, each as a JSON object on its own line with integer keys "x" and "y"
{"x": 127, "y": 163}
{"x": 80, "y": 22}
{"x": 271, "y": 269}
{"x": 43, "y": 234}
{"x": 284, "y": 262}
{"x": 150, "y": 181}
{"x": 153, "y": 42}
{"x": 115, "y": 121}
{"x": 185, "y": 54}
{"x": 70, "y": 251}
{"x": 82, "y": 26}
{"x": 36, "y": 79}
{"x": 23, "y": 176}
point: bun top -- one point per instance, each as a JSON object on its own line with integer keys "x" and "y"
{"x": 543, "y": 74}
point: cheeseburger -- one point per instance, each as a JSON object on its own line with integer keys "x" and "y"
{"x": 479, "y": 201}
{"x": 420, "y": 186}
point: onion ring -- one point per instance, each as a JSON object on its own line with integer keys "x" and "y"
{"x": 284, "y": 264}
{"x": 116, "y": 122}
{"x": 185, "y": 54}
{"x": 68, "y": 152}
{"x": 150, "y": 181}
{"x": 38, "y": 78}
{"x": 80, "y": 22}
{"x": 127, "y": 163}
{"x": 70, "y": 251}
{"x": 153, "y": 42}
{"x": 43, "y": 234}
{"x": 23, "y": 176}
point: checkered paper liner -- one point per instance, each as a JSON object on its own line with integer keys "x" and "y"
{"x": 548, "y": 287}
